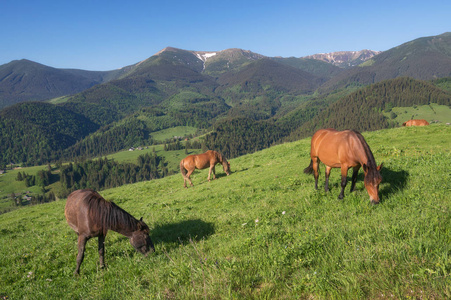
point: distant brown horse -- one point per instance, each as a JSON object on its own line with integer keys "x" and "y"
{"x": 202, "y": 161}
{"x": 421, "y": 122}
{"x": 90, "y": 215}
{"x": 344, "y": 149}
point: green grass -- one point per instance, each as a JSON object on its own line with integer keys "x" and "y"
{"x": 59, "y": 100}
{"x": 169, "y": 133}
{"x": 172, "y": 158}
{"x": 261, "y": 233}
{"x": 430, "y": 113}
{"x": 9, "y": 185}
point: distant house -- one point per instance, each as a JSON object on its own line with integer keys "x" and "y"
{"x": 131, "y": 149}
{"x": 2, "y": 172}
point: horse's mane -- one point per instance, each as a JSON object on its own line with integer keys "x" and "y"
{"x": 371, "y": 163}
{"x": 220, "y": 157}
{"x": 108, "y": 214}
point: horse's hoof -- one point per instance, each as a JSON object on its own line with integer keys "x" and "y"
{"x": 340, "y": 197}
{"x": 374, "y": 202}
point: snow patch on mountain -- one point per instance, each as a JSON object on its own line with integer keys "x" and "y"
{"x": 203, "y": 57}
{"x": 345, "y": 59}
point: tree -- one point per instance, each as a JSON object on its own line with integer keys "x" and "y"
{"x": 19, "y": 177}
{"x": 13, "y": 198}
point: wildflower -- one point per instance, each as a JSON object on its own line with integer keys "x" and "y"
{"x": 283, "y": 212}
{"x": 256, "y": 220}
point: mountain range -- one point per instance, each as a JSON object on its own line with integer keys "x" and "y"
{"x": 345, "y": 59}
{"x": 24, "y": 80}
{"x": 197, "y": 88}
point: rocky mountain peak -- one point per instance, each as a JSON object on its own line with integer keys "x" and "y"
{"x": 345, "y": 59}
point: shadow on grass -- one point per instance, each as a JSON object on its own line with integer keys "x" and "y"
{"x": 396, "y": 180}
{"x": 181, "y": 232}
{"x": 223, "y": 174}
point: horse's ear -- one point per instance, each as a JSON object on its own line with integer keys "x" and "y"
{"x": 141, "y": 219}
{"x": 380, "y": 167}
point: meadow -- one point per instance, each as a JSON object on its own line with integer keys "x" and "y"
{"x": 9, "y": 184}
{"x": 263, "y": 232}
{"x": 431, "y": 113}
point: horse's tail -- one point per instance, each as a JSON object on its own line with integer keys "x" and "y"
{"x": 182, "y": 169}
{"x": 309, "y": 169}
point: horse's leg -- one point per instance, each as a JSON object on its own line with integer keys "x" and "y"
{"x": 212, "y": 167}
{"x": 184, "y": 181}
{"x": 188, "y": 175}
{"x": 344, "y": 174}
{"x": 102, "y": 251}
{"x": 326, "y": 187}
{"x": 214, "y": 173}
{"x": 81, "y": 252}
{"x": 355, "y": 171}
{"x": 315, "y": 170}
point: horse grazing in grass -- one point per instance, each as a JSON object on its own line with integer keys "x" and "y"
{"x": 90, "y": 215}
{"x": 421, "y": 122}
{"x": 202, "y": 161}
{"x": 344, "y": 149}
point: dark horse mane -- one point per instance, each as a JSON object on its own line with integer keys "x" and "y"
{"x": 371, "y": 164}
{"x": 220, "y": 157}
{"x": 109, "y": 215}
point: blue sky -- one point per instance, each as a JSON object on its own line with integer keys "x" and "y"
{"x": 106, "y": 35}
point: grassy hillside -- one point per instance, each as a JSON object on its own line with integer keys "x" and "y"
{"x": 363, "y": 109}
{"x": 431, "y": 113}
{"x": 9, "y": 184}
{"x": 262, "y": 232}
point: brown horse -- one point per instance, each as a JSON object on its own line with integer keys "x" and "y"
{"x": 202, "y": 161}
{"x": 421, "y": 122}
{"x": 344, "y": 149}
{"x": 90, "y": 215}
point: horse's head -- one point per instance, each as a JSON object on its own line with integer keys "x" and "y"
{"x": 372, "y": 180}
{"x": 140, "y": 239}
{"x": 226, "y": 167}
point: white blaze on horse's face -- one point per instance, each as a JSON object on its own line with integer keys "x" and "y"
{"x": 373, "y": 190}
{"x": 372, "y": 186}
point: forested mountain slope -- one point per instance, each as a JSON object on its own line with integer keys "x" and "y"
{"x": 37, "y": 132}
{"x": 362, "y": 110}
{"x": 24, "y": 80}
{"x": 424, "y": 58}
